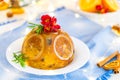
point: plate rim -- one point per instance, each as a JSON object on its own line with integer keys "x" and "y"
{"x": 48, "y": 72}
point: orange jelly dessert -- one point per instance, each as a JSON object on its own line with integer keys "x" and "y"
{"x": 47, "y": 46}
{"x": 98, "y": 6}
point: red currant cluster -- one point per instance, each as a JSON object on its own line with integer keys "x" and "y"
{"x": 49, "y": 23}
{"x": 101, "y": 9}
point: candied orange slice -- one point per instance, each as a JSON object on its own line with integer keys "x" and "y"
{"x": 89, "y": 5}
{"x": 63, "y": 47}
{"x": 17, "y": 10}
{"x": 3, "y": 5}
{"x": 111, "y": 5}
{"x": 116, "y": 29}
{"x": 112, "y": 65}
{"x": 33, "y": 46}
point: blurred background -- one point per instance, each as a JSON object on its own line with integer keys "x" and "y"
{"x": 33, "y": 8}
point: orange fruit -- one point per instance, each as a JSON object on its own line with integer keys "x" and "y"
{"x": 3, "y": 5}
{"x": 112, "y": 65}
{"x": 116, "y": 29}
{"x": 33, "y": 46}
{"x": 89, "y": 5}
{"x": 17, "y": 10}
{"x": 63, "y": 47}
{"x": 111, "y": 5}
{"x": 48, "y": 50}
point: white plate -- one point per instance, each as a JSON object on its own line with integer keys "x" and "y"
{"x": 82, "y": 54}
{"x": 106, "y": 19}
{"x": 90, "y": 14}
{"x": 102, "y": 19}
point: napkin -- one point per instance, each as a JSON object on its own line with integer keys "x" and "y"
{"x": 102, "y": 45}
{"x": 9, "y": 25}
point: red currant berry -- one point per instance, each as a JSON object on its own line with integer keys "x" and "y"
{"x": 102, "y": 11}
{"x": 99, "y": 7}
{"x": 106, "y": 10}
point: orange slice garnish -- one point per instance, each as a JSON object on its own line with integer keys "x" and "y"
{"x": 89, "y": 5}
{"x": 116, "y": 29}
{"x": 111, "y": 5}
{"x": 112, "y": 65}
{"x": 63, "y": 47}
{"x": 33, "y": 46}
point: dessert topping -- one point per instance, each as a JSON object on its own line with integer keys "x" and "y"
{"x": 47, "y": 24}
{"x": 19, "y": 58}
{"x": 99, "y": 7}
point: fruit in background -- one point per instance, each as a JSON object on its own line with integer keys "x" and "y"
{"x": 15, "y": 7}
{"x": 104, "y": 10}
{"x": 89, "y": 5}
{"x": 3, "y": 5}
{"x": 17, "y": 10}
{"x": 98, "y": 6}
{"x": 112, "y": 5}
{"x": 9, "y": 14}
{"x": 101, "y": 9}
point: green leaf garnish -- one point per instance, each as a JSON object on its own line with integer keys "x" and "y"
{"x": 39, "y": 30}
{"x": 19, "y": 58}
{"x": 40, "y": 27}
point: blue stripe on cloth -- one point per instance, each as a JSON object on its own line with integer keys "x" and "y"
{"x": 106, "y": 75}
{"x": 7, "y": 22}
